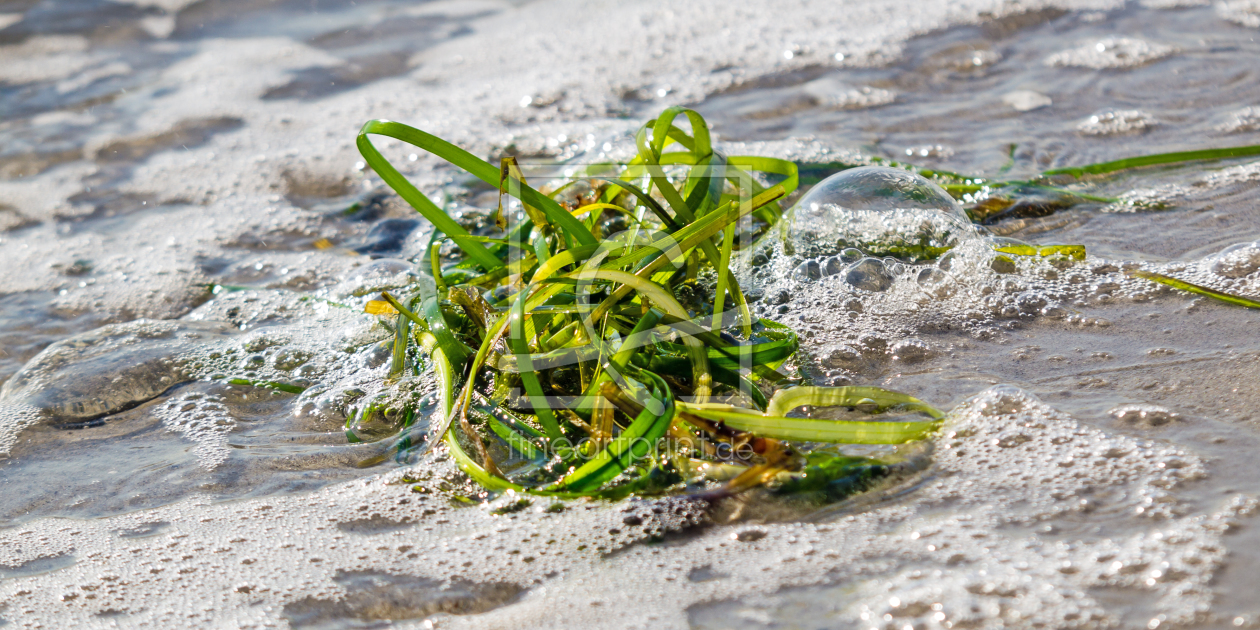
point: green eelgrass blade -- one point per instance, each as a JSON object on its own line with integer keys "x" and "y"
{"x": 402, "y": 335}
{"x": 633, "y": 444}
{"x": 1069, "y": 192}
{"x": 514, "y": 439}
{"x": 517, "y": 338}
{"x": 786, "y": 400}
{"x": 493, "y": 334}
{"x": 651, "y": 155}
{"x": 1102, "y": 168}
{"x": 697, "y": 233}
{"x": 818, "y": 429}
{"x": 1194, "y": 288}
{"x": 730, "y": 357}
{"x": 481, "y": 170}
{"x": 446, "y": 404}
{"x": 434, "y": 322}
{"x": 739, "y": 178}
{"x": 667, "y": 303}
{"x": 699, "y": 150}
{"x": 705, "y": 183}
{"x": 647, "y": 429}
{"x": 435, "y": 264}
{"x": 646, "y": 200}
{"x": 728, "y": 242}
{"x": 637, "y": 338}
{"x": 287, "y": 388}
{"x": 475, "y": 166}
{"x": 1075, "y": 252}
{"x": 782, "y": 344}
{"x": 417, "y": 199}
{"x": 722, "y": 373}
{"x": 474, "y": 470}
{"x": 685, "y": 238}
{"x": 784, "y": 168}
{"x": 699, "y": 131}
{"x": 562, "y": 260}
{"x": 735, "y": 355}
{"x": 827, "y": 477}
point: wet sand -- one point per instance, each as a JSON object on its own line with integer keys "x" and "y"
{"x": 1094, "y": 471}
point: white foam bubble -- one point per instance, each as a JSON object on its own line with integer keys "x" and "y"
{"x": 1116, "y": 122}
{"x": 1111, "y": 52}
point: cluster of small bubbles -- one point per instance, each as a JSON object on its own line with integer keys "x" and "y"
{"x": 379, "y": 415}
{"x": 91, "y": 375}
{"x": 834, "y": 94}
{"x": 834, "y": 294}
{"x": 938, "y": 151}
{"x": 1112, "y": 52}
{"x": 910, "y": 351}
{"x": 1243, "y": 12}
{"x": 1117, "y": 122}
{"x": 203, "y": 419}
{"x": 1240, "y": 174}
{"x": 379, "y": 275}
{"x": 1201, "y": 189}
{"x": 1141, "y": 199}
{"x": 826, "y": 270}
{"x": 1143, "y": 415}
{"x": 1237, "y": 261}
{"x": 283, "y": 343}
{"x": 260, "y": 340}
{"x": 14, "y": 419}
{"x": 289, "y": 359}
{"x": 1244, "y": 120}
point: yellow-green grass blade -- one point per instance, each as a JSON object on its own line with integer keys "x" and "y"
{"x": 816, "y": 429}
{"x": 1198, "y": 289}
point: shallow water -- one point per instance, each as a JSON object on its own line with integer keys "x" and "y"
{"x": 1094, "y": 471}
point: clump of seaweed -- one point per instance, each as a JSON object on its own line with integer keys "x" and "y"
{"x": 575, "y": 358}
{"x": 571, "y": 364}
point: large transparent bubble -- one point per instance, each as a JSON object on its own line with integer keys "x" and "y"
{"x": 881, "y": 211}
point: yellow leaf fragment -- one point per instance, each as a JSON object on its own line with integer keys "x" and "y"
{"x": 379, "y": 307}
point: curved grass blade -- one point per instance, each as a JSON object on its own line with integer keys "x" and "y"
{"x": 1075, "y": 252}
{"x": 402, "y": 336}
{"x": 475, "y": 166}
{"x": 434, "y": 322}
{"x": 634, "y": 443}
{"x": 816, "y": 429}
{"x": 786, "y": 400}
{"x": 287, "y": 388}
{"x": 1194, "y": 288}
{"x": 517, "y": 338}
{"x": 660, "y": 297}
{"x": 517, "y": 441}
